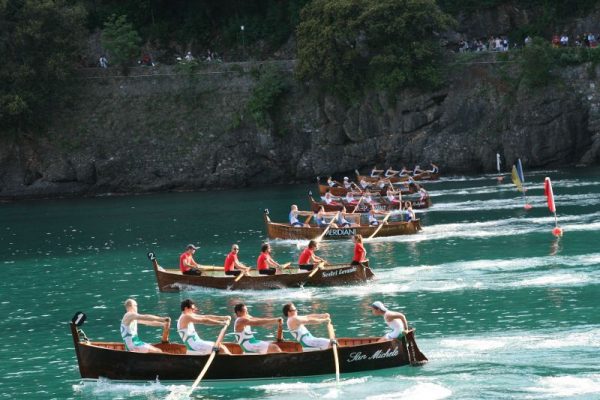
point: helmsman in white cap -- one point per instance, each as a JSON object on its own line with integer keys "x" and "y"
{"x": 395, "y": 320}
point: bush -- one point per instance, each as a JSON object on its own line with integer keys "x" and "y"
{"x": 536, "y": 62}
{"x": 266, "y": 95}
{"x": 120, "y": 40}
{"x": 348, "y": 46}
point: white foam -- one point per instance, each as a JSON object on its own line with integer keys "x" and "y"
{"x": 565, "y": 386}
{"x": 429, "y": 391}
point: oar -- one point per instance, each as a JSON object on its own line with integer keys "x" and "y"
{"x": 316, "y": 268}
{"x": 210, "y": 358}
{"x": 380, "y": 226}
{"x": 237, "y": 278}
{"x": 327, "y": 229}
{"x": 358, "y": 204}
{"x": 335, "y": 351}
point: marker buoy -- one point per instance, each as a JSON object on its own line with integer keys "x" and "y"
{"x": 557, "y": 231}
{"x": 528, "y": 206}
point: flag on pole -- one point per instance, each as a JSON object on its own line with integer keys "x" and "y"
{"x": 516, "y": 179}
{"x": 549, "y": 195}
{"x": 498, "y": 162}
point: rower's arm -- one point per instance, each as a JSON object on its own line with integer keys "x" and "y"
{"x": 261, "y": 321}
{"x": 210, "y": 319}
{"x": 152, "y": 320}
{"x": 396, "y": 315}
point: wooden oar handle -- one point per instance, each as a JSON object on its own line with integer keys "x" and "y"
{"x": 165, "y": 333}
{"x": 280, "y": 330}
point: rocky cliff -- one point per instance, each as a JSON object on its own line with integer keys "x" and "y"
{"x": 158, "y": 129}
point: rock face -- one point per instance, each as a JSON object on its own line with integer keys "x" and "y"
{"x": 161, "y": 130}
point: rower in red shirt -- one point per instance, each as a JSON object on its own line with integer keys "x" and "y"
{"x": 187, "y": 265}
{"x": 265, "y": 263}
{"x": 360, "y": 254}
{"x": 232, "y": 265}
{"x": 308, "y": 259}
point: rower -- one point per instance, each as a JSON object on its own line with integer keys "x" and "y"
{"x": 395, "y": 320}
{"x": 434, "y": 169}
{"x": 409, "y": 212}
{"x": 390, "y": 172}
{"x": 404, "y": 171}
{"x": 360, "y": 254}
{"x": 295, "y": 324}
{"x": 329, "y": 199}
{"x": 332, "y": 183}
{"x": 294, "y": 217}
{"x": 308, "y": 259}
{"x": 187, "y": 264}
{"x": 423, "y": 195}
{"x": 265, "y": 263}
{"x": 341, "y": 221}
{"x": 392, "y": 197}
{"x": 188, "y": 334}
{"x": 350, "y": 199}
{"x": 417, "y": 170}
{"x": 376, "y": 173}
{"x": 129, "y": 325}
{"x": 373, "y": 221}
{"x": 232, "y": 265}
{"x": 364, "y": 184}
{"x": 320, "y": 219}
{"x": 245, "y": 336}
{"x": 347, "y": 183}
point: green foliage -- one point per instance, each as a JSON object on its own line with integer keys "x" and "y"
{"x": 536, "y": 63}
{"x": 266, "y": 95}
{"x": 350, "y": 45}
{"x": 40, "y": 43}
{"x": 120, "y": 39}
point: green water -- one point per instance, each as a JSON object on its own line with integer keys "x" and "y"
{"x": 502, "y": 308}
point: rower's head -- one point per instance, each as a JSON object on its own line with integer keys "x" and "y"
{"x": 378, "y": 308}
{"x": 265, "y": 248}
{"x": 358, "y": 238}
{"x": 240, "y": 309}
{"x": 131, "y": 305}
{"x": 188, "y": 305}
{"x": 289, "y": 310}
{"x": 312, "y": 245}
{"x": 190, "y": 248}
{"x": 294, "y": 207}
{"x": 346, "y": 179}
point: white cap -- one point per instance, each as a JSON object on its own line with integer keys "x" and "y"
{"x": 345, "y": 178}
{"x": 379, "y": 305}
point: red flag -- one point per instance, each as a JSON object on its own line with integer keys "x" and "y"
{"x": 549, "y": 194}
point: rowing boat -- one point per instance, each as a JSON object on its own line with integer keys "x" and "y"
{"x": 341, "y": 191}
{"x": 110, "y": 360}
{"x": 277, "y": 230}
{"x": 380, "y": 204}
{"x": 423, "y": 176}
{"x": 172, "y": 280}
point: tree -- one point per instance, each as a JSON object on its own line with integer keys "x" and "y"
{"x": 120, "y": 40}
{"x": 350, "y": 45}
{"x": 536, "y": 63}
{"x": 40, "y": 44}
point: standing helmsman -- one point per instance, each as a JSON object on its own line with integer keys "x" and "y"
{"x": 395, "y": 320}
{"x": 360, "y": 254}
{"x": 129, "y": 330}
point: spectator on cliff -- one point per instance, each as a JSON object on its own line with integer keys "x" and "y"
{"x": 189, "y": 57}
{"x": 527, "y": 40}
{"x": 564, "y": 40}
{"x": 103, "y": 62}
{"x": 555, "y": 41}
{"x": 592, "y": 40}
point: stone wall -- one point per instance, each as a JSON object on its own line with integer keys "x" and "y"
{"x": 159, "y": 129}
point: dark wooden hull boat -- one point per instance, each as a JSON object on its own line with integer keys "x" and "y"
{"x": 110, "y": 360}
{"x": 277, "y": 230}
{"x": 362, "y": 208}
{"x": 341, "y": 191}
{"x": 172, "y": 280}
{"x": 424, "y": 176}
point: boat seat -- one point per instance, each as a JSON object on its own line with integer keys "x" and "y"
{"x": 290, "y": 347}
{"x": 234, "y": 348}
